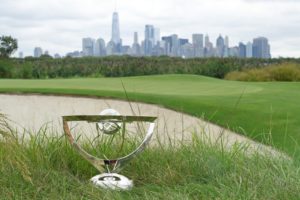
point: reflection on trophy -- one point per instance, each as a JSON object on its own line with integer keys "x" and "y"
{"x": 110, "y": 123}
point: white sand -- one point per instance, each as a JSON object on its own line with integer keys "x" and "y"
{"x": 33, "y": 111}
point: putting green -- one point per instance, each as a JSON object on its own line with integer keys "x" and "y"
{"x": 266, "y": 112}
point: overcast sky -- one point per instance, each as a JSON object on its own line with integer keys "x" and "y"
{"x": 59, "y": 25}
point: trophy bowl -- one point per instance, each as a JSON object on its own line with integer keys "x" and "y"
{"x": 110, "y": 122}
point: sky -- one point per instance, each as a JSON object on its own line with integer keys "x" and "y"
{"x": 59, "y": 25}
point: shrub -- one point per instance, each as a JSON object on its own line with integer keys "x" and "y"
{"x": 281, "y": 72}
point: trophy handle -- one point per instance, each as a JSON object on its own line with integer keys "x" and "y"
{"x": 96, "y": 162}
{"x": 123, "y": 161}
{"x": 101, "y": 164}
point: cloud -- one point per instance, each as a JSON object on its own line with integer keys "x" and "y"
{"x": 59, "y": 25}
{"x": 272, "y": 1}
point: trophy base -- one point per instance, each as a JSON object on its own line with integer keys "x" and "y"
{"x": 112, "y": 181}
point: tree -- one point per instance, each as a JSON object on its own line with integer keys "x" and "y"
{"x": 8, "y": 45}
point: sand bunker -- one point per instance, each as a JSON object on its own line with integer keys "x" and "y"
{"x": 34, "y": 111}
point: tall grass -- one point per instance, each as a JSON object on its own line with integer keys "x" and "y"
{"x": 281, "y": 72}
{"x": 46, "y": 167}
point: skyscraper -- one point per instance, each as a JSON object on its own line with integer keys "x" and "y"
{"x": 175, "y": 45}
{"x": 135, "y": 38}
{"x": 183, "y": 41}
{"x": 167, "y": 44}
{"x": 156, "y": 35}
{"x": 198, "y": 40}
{"x": 88, "y": 46}
{"x": 261, "y": 48}
{"x": 207, "y": 42}
{"x": 198, "y": 45}
{"x": 249, "y": 50}
{"x": 38, "y": 52}
{"x": 149, "y": 39}
{"x": 136, "y": 48}
{"x": 99, "y": 48}
{"x": 115, "y": 34}
{"x": 20, "y": 54}
{"x": 187, "y": 50}
{"x": 242, "y": 50}
{"x": 226, "y": 48}
{"x": 226, "y": 41}
{"x": 220, "y": 46}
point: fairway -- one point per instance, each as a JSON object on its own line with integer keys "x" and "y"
{"x": 267, "y": 112}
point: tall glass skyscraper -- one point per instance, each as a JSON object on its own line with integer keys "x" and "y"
{"x": 115, "y": 34}
{"x": 88, "y": 46}
{"x": 261, "y": 48}
{"x": 149, "y": 39}
{"x": 220, "y": 46}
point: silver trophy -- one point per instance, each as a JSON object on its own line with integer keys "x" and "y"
{"x": 109, "y": 122}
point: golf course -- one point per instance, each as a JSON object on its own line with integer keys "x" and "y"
{"x": 266, "y": 112}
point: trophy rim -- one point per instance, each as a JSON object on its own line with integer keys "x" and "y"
{"x": 118, "y": 163}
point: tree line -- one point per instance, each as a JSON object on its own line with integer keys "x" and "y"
{"x": 120, "y": 66}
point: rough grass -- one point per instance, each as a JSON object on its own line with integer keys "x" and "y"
{"x": 46, "y": 167}
{"x": 281, "y": 72}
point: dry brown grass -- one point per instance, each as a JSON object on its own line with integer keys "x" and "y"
{"x": 282, "y": 72}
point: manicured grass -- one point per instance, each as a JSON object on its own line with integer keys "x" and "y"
{"x": 46, "y": 167}
{"x": 267, "y": 112}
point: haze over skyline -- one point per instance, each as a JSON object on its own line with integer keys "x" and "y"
{"x": 59, "y": 25}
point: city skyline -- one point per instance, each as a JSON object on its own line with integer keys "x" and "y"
{"x": 61, "y": 31}
{"x": 172, "y": 45}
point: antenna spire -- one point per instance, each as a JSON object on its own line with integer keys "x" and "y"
{"x": 116, "y": 5}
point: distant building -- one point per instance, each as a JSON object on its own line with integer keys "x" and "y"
{"x": 167, "y": 44}
{"x": 171, "y": 45}
{"x": 88, "y": 46}
{"x": 38, "y": 52}
{"x": 220, "y": 46}
{"x": 57, "y": 56}
{"x": 175, "y": 45}
{"x": 21, "y": 54}
{"x": 234, "y": 51}
{"x": 149, "y": 41}
{"x": 198, "y": 45}
{"x": 183, "y": 41}
{"x": 207, "y": 42}
{"x": 261, "y": 48}
{"x": 115, "y": 37}
{"x": 111, "y": 48}
{"x": 226, "y": 41}
{"x": 242, "y": 50}
{"x": 156, "y": 35}
{"x": 75, "y": 54}
{"x": 187, "y": 50}
{"x": 209, "y": 47}
{"x": 126, "y": 50}
{"x": 226, "y": 48}
{"x": 99, "y": 48}
{"x": 136, "y": 48}
{"x": 198, "y": 40}
{"x": 115, "y": 33}
{"x": 249, "y": 50}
